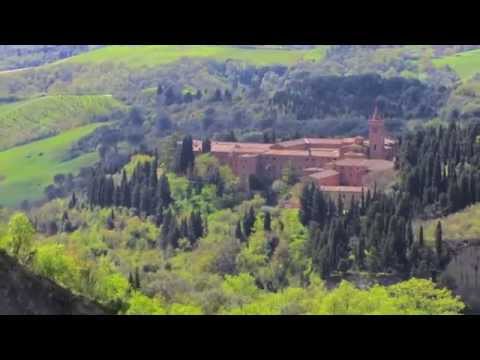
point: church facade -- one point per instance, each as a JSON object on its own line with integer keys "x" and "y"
{"x": 341, "y": 165}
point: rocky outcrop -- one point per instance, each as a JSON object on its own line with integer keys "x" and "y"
{"x": 24, "y": 293}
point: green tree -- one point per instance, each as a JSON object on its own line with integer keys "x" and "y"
{"x": 267, "y": 221}
{"x": 439, "y": 240}
{"x": 20, "y": 233}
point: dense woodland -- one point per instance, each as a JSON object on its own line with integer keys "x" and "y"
{"x": 445, "y": 178}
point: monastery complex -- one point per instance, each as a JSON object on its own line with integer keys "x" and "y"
{"x": 339, "y": 165}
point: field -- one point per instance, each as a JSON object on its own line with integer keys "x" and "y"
{"x": 464, "y": 225}
{"x": 466, "y": 64}
{"x": 155, "y": 55}
{"x": 26, "y": 170}
{"x": 36, "y": 118}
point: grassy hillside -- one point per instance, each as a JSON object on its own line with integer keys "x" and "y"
{"x": 459, "y": 226}
{"x": 466, "y": 64}
{"x": 155, "y": 55}
{"x": 24, "y": 121}
{"x": 114, "y": 69}
{"x": 26, "y": 170}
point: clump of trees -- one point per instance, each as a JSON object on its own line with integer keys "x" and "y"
{"x": 322, "y": 96}
{"x": 374, "y": 233}
{"x": 445, "y": 179}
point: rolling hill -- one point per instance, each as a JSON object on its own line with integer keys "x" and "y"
{"x": 157, "y": 55}
{"x": 36, "y": 118}
{"x": 26, "y": 170}
{"x": 465, "y": 64}
{"x": 113, "y": 69}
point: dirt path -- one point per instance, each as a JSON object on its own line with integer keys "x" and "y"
{"x": 14, "y": 70}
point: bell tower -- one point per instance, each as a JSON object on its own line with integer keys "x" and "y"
{"x": 376, "y": 136}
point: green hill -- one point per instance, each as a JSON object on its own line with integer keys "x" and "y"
{"x": 466, "y": 64}
{"x": 463, "y": 225}
{"x": 36, "y": 118}
{"x": 155, "y": 55}
{"x": 26, "y": 170}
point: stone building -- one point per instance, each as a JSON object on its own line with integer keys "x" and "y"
{"x": 336, "y": 164}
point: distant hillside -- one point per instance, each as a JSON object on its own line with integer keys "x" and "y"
{"x": 26, "y": 170}
{"x": 24, "y": 121}
{"x": 156, "y": 55}
{"x": 117, "y": 69}
{"x": 22, "y": 56}
{"x": 465, "y": 64}
{"x": 24, "y": 293}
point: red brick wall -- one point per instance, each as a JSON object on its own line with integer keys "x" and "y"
{"x": 351, "y": 175}
{"x": 333, "y": 180}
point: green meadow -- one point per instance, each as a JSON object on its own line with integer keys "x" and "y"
{"x": 26, "y": 170}
{"x": 465, "y": 64}
{"x": 462, "y": 225}
{"x": 155, "y": 55}
{"x": 39, "y": 117}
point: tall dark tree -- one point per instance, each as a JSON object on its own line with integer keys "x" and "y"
{"x": 267, "y": 221}
{"x": 73, "y": 201}
{"x": 238, "y": 231}
{"x": 249, "y": 222}
{"x": 187, "y": 157}
{"x": 206, "y": 146}
{"x": 421, "y": 240}
{"x": 164, "y": 194}
{"x": 439, "y": 240}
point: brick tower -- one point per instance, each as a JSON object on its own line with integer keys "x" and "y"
{"x": 376, "y": 136}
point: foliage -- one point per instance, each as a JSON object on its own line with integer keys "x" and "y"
{"x": 52, "y": 261}
{"x": 140, "y": 304}
{"x": 20, "y": 237}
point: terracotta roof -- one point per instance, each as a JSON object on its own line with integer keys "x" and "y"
{"x": 324, "y": 174}
{"x": 251, "y": 148}
{"x": 313, "y": 169}
{"x": 348, "y": 189}
{"x": 290, "y": 143}
{"x": 371, "y": 164}
{"x": 304, "y": 153}
{"x": 316, "y": 141}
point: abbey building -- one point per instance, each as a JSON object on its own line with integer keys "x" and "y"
{"x": 344, "y": 165}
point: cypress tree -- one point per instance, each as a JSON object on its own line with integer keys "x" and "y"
{"x": 238, "y": 232}
{"x": 110, "y": 221}
{"x": 439, "y": 240}
{"x": 249, "y": 222}
{"x": 306, "y": 203}
{"x": 206, "y": 146}
{"x": 421, "y": 240}
{"x": 136, "y": 197}
{"x": 153, "y": 181}
{"x": 73, "y": 201}
{"x": 409, "y": 235}
{"x": 137, "y": 278}
{"x": 187, "y": 157}
{"x": 144, "y": 205}
{"x": 340, "y": 205}
{"x": 184, "y": 230}
{"x": 267, "y": 221}
{"x": 131, "y": 281}
{"x": 173, "y": 233}
{"x": 164, "y": 194}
